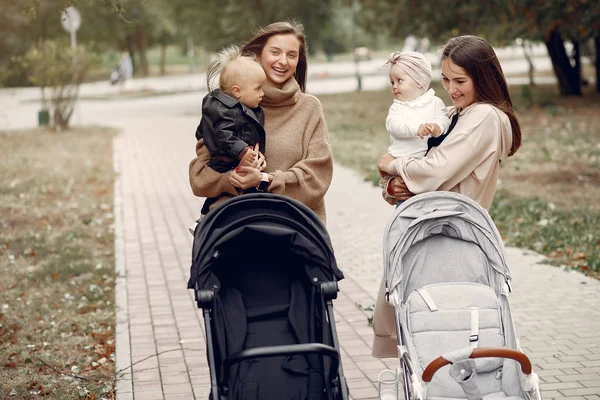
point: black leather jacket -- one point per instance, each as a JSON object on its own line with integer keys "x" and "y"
{"x": 228, "y": 127}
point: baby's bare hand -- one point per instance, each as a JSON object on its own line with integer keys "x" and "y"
{"x": 422, "y": 131}
{"x": 248, "y": 158}
{"x": 434, "y": 129}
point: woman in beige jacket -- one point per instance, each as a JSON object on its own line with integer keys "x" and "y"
{"x": 484, "y": 132}
{"x": 299, "y": 163}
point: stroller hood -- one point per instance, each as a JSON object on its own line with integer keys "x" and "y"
{"x": 281, "y": 227}
{"x": 452, "y": 224}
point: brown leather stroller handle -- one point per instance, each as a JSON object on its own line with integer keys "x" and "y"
{"x": 482, "y": 352}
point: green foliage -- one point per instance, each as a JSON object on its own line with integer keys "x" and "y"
{"x": 438, "y": 20}
{"x": 500, "y": 21}
{"x": 576, "y": 20}
{"x": 61, "y": 69}
{"x": 216, "y": 23}
{"x": 570, "y": 237}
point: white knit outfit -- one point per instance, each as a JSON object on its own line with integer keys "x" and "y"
{"x": 404, "y": 119}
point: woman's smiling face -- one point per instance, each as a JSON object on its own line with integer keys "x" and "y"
{"x": 458, "y": 84}
{"x": 279, "y": 58}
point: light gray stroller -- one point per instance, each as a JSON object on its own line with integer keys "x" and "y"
{"x": 448, "y": 281}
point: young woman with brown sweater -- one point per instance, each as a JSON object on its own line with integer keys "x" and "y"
{"x": 300, "y": 163}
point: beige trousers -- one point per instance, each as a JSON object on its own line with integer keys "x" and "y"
{"x": 384, "y": 327}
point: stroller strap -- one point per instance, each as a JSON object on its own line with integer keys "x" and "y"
{"x": 465, "y": 374}
{"x": 474, "y": 338}
{"x": 428, "y": 299}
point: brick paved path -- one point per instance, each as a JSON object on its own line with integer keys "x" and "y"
{"x": 557, "y": 313}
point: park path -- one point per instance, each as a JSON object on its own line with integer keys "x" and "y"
{"x": 160, "y": 331}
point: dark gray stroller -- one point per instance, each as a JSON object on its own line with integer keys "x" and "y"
{"x": 264, "y": 273}
{"x": 447, "y": 278}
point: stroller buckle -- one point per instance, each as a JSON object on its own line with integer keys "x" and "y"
{"x": 473, "y": 338}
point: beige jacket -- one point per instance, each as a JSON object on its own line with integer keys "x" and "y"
{"x": 298, "y": 153}
{"x": 467, "y": 162}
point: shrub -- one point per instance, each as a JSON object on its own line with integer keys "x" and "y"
{"x": 60, "y": 69}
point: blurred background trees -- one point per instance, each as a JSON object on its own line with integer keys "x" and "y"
{"x": 552, "y": 22}
{"x": 161, "y": 32}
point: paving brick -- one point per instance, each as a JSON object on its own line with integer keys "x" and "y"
{"x": 177, "y": 389}
{"x": 579, "y": 377}
{"x": 550, "y": 394}
{"x": 581, "y": 392}
{"x": 562, "y": 385}
{"x": 359, "y": 384}
{"x": 548, "y": 379}
{"x": 365, "y": 393}
{"x": 588, "y": 370}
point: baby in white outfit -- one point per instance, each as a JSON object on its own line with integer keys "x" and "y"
{"x": 416, "y": 112}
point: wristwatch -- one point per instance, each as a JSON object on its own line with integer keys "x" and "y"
{"x": 264, "y": 183}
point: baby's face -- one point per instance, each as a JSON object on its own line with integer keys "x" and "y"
{"x": 404, "y": 87}
{"x": 251, "y": 92}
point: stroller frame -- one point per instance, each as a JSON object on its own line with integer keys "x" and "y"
{"x": 205, "y": 295}
{"x": 424, "y": 210}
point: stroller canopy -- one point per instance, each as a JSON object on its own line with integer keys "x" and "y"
{"x": 273, "y": 225}
{"x": 442, "y": 236}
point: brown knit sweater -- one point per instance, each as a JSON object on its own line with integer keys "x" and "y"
{"x": 298, "y": 151}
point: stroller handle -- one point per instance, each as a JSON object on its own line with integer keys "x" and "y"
{"x": 482, "y": 352}
{"x": 284, "y": 350}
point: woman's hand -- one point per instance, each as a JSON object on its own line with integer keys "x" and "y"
{"x": 383, "y": 184}
{"x": 398, "y": 189}
{"x": 384, "y": 163}
{"x": 245, "y": 177}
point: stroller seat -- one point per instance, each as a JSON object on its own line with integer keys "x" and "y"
{"x": 451, "y": 316}
{"x": 263, "y": 302}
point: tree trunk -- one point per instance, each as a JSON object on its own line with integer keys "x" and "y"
{"x": 577, "y": 60}
{"x": 163, "y": 58}
{"x": 142, "y": 45}
{"x": 569, "y": 81}
{"x": 528, "y": 53}
{"x": 131, "y": 49}
{"x": 191, "y": 53}
{"x": 597, "y": 63}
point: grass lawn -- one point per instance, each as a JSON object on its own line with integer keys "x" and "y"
{"x": 57, "y": 312}
{"x": 548, "y": 198}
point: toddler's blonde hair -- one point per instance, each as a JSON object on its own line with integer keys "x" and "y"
{"x": 229, "y": 65}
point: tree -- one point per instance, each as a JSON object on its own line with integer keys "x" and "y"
{"x": 555, "y": 21}
{"x": 501, "y": 22}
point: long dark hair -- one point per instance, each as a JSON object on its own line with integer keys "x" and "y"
{"x": 478, "y": 59}
{"x": 256, "y": 44}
